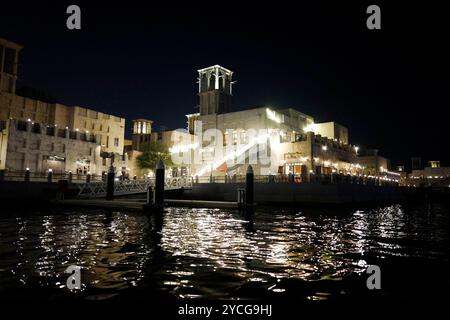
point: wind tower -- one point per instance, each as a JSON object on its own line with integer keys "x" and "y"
{"x": 142, "y": 129}
{"x": 215, "y": 89}
{"x": 9, "y": 61}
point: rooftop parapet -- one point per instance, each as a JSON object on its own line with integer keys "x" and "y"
{"x": 52, "y": 131}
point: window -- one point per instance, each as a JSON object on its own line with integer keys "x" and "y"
{"x": 116, "y": 142}
{"x": 10, "y": 55}
{"x": 36, "y": 128}
{"x": 1, "y": 57}
{"x": 234, "y": 141}
{"x": 22, "y": 126}
{"x": 11, "y": 85}
{"x": 301, "y": 137}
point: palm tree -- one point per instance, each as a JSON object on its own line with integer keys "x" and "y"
{"x": 151, "y": 155}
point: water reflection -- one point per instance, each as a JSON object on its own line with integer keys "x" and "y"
{"x": 111, "y": 248}
{"x": 212, "y": 253}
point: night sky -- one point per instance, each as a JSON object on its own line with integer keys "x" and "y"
{"x": 137, "y": 60}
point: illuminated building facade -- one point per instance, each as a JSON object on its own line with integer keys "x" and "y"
{"x": 109, "y": 130}
{"x": 142, "y": 136}
{"x": 301, "y": 147}
{"x": 142, "y": 130}
{"x": 373, "y": 162}
{"x": 41, "y": 148}
{"x": 432, "y": 175}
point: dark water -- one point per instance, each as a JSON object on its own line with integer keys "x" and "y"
{"x": 308, "y": 254}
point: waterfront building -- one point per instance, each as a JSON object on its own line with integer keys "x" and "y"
{"x": 174, "y": 139}
{"x": 142, "y": 130}
{"x": 301, "y": 147}
{"x": 416, "y": 163}
{"x": 373, "y": 162}
{"x": 40, "y": 148}
{"x": 142, "y": 136}
{"x": 432, "y": 175}
{"x": 376, "y": 165}
{"x": 108, "y": 129}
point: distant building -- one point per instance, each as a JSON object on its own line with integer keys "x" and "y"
{"x": 141, "y": 136}
{"x": 416, "y": 163}
{"x": 373, "y": 162}
{"x": 434, "y": 164}
{"x": 434, "y": 174}
{"x": 142, "y": 130}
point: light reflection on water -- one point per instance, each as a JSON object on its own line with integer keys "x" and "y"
{"x": 192, "y": 253}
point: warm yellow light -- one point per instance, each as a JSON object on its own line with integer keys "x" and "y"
{"x": 272, "y": 115}
{"x": 310, "y": 128}
{"x": 184, "y": 148}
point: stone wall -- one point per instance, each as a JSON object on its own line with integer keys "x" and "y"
{"x": 39, "y": 148}
{"x": 273, "y": 193}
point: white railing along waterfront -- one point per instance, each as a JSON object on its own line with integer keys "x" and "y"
{"x": 43, "y": 176}
{"x": 312, "y": 178}
{"x": 123, "y": 187}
